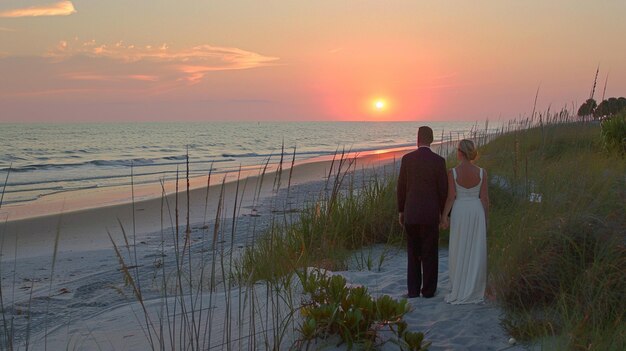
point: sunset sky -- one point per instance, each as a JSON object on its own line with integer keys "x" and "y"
{"x": 201, "y": 60}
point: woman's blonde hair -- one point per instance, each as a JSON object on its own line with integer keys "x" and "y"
{"x": 468, "y": 149}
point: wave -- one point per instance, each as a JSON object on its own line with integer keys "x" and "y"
{"x": 175, "y": 158}
{"x": 339, "y": 149}
{"x": 249, "y": 154}
{"x": 76, "y": 155}
{"x": 137, "y": 162}
{"x": 25, "y": 195}
{"x": 136, "y": 175}
{"x": 11, "y": 190}
{"x": 80, "y": 151}
{"x": 277, "y": 154}
{"x": 11, "y": 158}
{"x": 179, "y": 159}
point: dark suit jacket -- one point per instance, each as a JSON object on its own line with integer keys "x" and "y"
{"x": 422, "y": 187}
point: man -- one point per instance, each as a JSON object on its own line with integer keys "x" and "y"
{"x": 422, "y": 191}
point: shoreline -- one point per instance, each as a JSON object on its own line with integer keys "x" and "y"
{"x": 93, "y": 198}
{"x": 85, "y": 219}
{"x": 101, "y": 197}
{"x": 102, "y": 156}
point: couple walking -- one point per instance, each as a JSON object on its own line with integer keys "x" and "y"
{"x": 427, "y": 194}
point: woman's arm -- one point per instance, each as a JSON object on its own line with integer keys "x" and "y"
{"x": 449, "y": 201}
{"x": 484, "y": 196}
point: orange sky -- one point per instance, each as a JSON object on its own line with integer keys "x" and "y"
{"x": 152, "y": 60}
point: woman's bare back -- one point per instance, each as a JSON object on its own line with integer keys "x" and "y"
{"x": 467, "y": 175}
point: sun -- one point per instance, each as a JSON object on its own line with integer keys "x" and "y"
{"x": 379, "y": 105}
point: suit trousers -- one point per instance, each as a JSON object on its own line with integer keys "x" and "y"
{"x": 423, "y": 254}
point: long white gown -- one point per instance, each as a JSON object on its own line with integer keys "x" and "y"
{"x": 468, "y": 246}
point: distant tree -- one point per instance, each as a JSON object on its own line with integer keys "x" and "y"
{"x": 622, "y": 104}
{"x": 587, "y": 108}
{"x": 602, "y": 110}
{"x": 613, "y": 105}
{"x": 609, "y": 107}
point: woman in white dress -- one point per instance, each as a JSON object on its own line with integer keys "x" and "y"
{"x": 469, "y": 201}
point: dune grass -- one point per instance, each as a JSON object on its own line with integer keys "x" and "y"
{"x": 349, "y": 215}
{"x": 346, "y": 217}
{"x": 189, "y": 286}
{"x": 614, "y": 133}
{"x": 556, "y": 235}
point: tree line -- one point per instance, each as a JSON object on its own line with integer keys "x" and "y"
{"x": 606, "y": 108}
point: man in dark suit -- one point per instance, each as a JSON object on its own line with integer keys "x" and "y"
{"x": 422, "y": 191}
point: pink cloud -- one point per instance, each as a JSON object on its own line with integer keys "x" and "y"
{"x": 60, "y": 8}
{"x": 143, "y": 77}
{"x": 192, "y": 63}
{"x": 119, "y": 70}
{"x": 110, "y": 78}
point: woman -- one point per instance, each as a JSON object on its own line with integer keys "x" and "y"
{"x": 469, "y": 201}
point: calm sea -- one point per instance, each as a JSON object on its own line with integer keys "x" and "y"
{"x": 50, "y": 158}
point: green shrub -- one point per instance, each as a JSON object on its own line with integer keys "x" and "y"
{"x": 352, "y": 314}
{"x": 614, "y": 133}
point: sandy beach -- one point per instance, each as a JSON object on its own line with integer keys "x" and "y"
{"x": 83, "y": 217}
{"x": 78, "y": 298}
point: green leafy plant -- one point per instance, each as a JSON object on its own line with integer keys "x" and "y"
{"x": 352, "y": 314}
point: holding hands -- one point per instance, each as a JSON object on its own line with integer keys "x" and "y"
{"x": 444, "y": 222}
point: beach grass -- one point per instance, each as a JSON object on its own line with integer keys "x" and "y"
{"x": 556, "y": 235}
{"x": 614, "y": 132}
{"x": 346, "y": 217}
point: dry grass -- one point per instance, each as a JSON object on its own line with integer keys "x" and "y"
{"x": 558, "y": 266}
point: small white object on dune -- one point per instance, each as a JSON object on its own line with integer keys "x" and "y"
{"x": 535, "y": 197}
{"x": 512, "y": 341}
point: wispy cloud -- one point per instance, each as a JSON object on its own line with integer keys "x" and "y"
{"x": 59, "y": 8}
{"x": 119, "y": 69}
{"x": 4, "y": 29}
{"x": 110, "y": 78}
{"x": 193, "y": 63}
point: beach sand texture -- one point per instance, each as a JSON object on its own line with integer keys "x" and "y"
{"x": 448, "y": 327}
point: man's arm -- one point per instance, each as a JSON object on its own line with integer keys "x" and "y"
{"x": 401, "y": 189}
{"x": 449, "y": 201}
{"x": 442, "y": 186}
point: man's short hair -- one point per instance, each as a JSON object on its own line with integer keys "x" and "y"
{"x": 424, "y": 135}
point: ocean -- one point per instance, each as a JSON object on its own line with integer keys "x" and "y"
{"x": 42, "y": 159}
